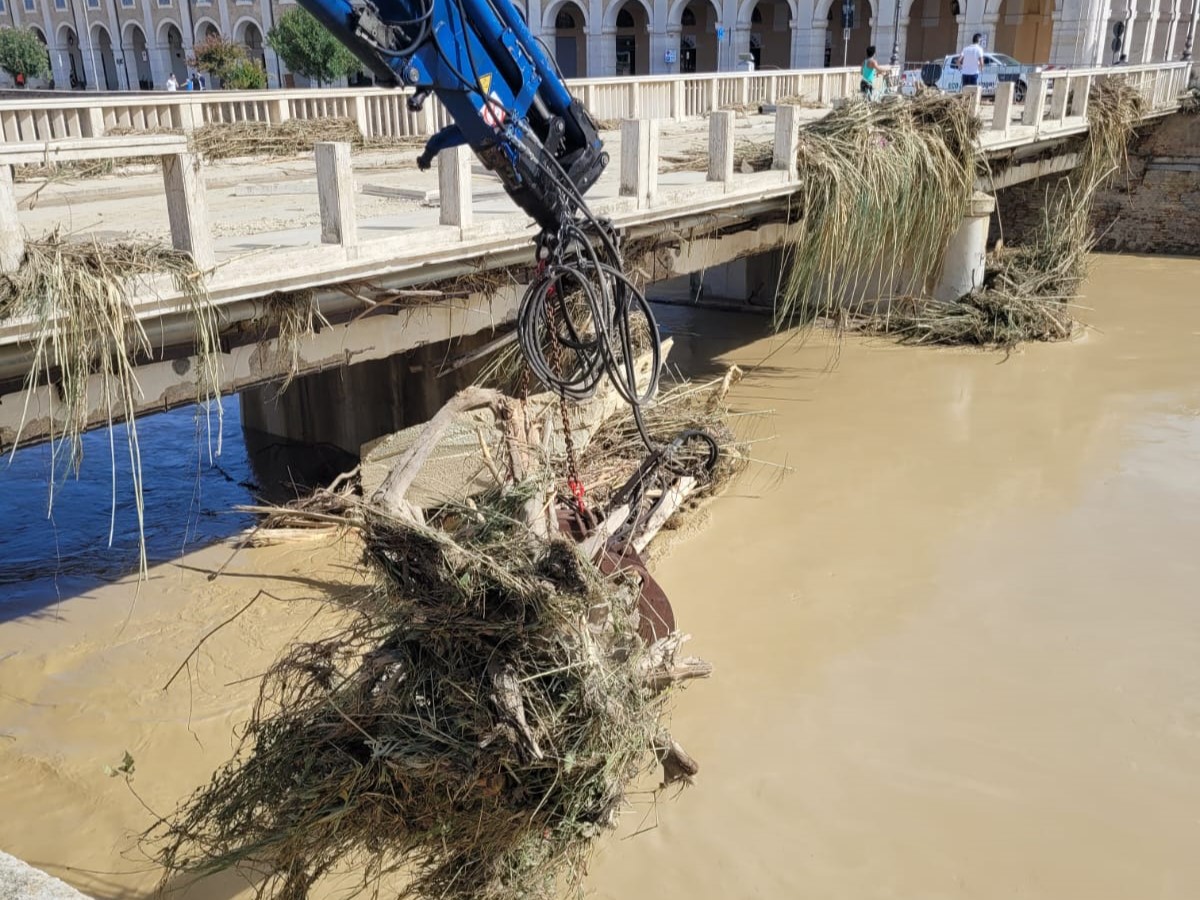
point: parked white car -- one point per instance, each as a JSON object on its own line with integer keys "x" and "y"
{"x": 945, "y": 75}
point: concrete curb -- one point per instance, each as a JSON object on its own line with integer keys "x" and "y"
{"x": 21, "y": 881}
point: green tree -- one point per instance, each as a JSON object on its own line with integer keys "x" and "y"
{"x": 245, "y": 75}
{"x": 21, "y": 53}
{"x": 217, "y": 56}
{"x": 307, "y": 47}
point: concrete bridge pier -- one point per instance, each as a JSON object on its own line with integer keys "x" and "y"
{"x": 751, "y": 281}
{"x": 966, "y": 254}
{"x": 341, "y": 409}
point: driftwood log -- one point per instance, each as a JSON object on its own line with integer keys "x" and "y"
{"x": 520, "y": 430}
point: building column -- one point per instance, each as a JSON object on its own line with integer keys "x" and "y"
{"x": 660, "y": 43}
{"x": 1146, "y": 53}
{"x": 812, "y": 46}
{"x": 798, "y": 49}
{"x": 60, "y": 66}
{"x": 740, "y": 44}
{"x": 93, "y": 68}
{"x": 600, "y": 52}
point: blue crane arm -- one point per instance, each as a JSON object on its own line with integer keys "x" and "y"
{"x": 502, "y": 90}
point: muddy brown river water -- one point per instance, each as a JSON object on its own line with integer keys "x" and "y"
{"x": 957, "y": 647}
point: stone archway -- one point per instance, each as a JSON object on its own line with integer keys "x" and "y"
{"x": 176, "y": 53}
{"x": 632, "y": 39}
{"x": 250, "y": 36}
{"x": 699, "y": 50}
{"x": 107, "y": 74}
{"x": 135, "y": 47}
{"x": 1025, "y": 29}
{"x": 771, "y": 34}
{"x": 68, "y": 46}
{"x": 848, "y": 47}
{"x": 570, "y": 40}
{"x": 932, "y": 30}
{"x": 40, "y": 35}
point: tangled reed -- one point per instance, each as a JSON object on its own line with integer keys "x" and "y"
{"x": 78, "y": 298}
{"x": 473, "y": 726}
{"x": 1028, "y": 289}
{"x": 394, "y": 744}
{"x": 882, "y": 187}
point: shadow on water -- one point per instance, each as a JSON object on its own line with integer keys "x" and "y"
{"x": 48, "y": 554}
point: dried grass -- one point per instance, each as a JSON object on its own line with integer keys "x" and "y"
{"x": 882, "y": 187}
{"x": 1029, "y": 289}
{"x": 392, "y": 747}
{"x": 77, "y": 297}
{"x": 291, "y": 138}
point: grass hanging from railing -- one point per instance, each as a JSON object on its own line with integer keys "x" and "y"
{"x": 882, "y": 187}
{"x": 1029, "y": 289}
{"x": 77, "y": 298}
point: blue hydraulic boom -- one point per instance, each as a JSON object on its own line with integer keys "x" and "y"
{"x": 509, "y": 103}
{"x": 502, "y": 89}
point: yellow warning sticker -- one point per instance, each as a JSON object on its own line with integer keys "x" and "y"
{"x": 485, "y": 84}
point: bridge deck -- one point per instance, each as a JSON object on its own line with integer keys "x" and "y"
{"x": 267, "y": 237}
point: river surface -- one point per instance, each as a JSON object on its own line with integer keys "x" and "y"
{"x": 957, "y": 646}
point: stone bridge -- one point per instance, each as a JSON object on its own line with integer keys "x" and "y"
{"x": 457, "y": 225}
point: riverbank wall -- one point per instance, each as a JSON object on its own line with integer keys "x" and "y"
{"x": 1154, "y": 207}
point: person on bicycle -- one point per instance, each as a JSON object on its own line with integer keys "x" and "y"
{"x": 871, "y": 70}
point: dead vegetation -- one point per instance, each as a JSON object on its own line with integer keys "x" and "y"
{"x": 291, "y": 138}
{"x": 485, "y": 708}
{"x": 882, "y": 187}
{"x": 77, "y": 298}
{"x": 1029, "y": 289}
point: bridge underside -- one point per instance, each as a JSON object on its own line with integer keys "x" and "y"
{"x": 374, "y": 319}
{"x": 376, "y": 300}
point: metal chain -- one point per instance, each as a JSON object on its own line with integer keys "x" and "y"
{"x": 555, "y": 358}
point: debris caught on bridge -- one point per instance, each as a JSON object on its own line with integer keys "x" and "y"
{"x": 295, "y": 137}
{"x": 493, "y": 694}
{"x": 881, "y": 189}
{"x": 79, "y": 297}
{"x": 1029, "y": 289}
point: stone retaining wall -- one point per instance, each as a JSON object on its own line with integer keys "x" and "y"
{"x": 1154, "y": 208}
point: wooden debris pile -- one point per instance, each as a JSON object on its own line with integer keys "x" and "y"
{"x": 478, "y": 720}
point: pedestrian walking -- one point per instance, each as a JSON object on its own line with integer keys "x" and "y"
{"x": 172, "y": 82}
{"x": 970, "y": 61}
{"x": 871, "y": 71}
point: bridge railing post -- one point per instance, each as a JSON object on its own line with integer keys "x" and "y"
{"x": 971, "y": 96}
{"x": 1035, "y": 100}
{"x": 639, "y": 160}
{"x": 720, "y": 146}
{"x": 1079, "y": 98}
{"x": 714, "y": 95}
{"x": 787, "y": 139}
{"x": 454, "y": 186}
{"x": 679, "y": 100}
{"x": 1059, "y": 99}
{"x": 634, "y": 103}
{"x": 1002, "y": 108}
{"x": 187, "y": 207}
{"x": 279, "y": 110}
{"x": 772, "y": 88}
{"x": 12, "y": 241}
{"x": 335, "y": 193}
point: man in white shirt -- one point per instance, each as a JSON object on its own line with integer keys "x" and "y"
{"x": 172, "y": 82}
{"x": 970, "y": 61}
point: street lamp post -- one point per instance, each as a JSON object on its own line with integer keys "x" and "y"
{"x": 1187, "y": 41}
{"x": 896, "y": 35}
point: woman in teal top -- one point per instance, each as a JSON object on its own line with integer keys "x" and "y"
{"x": 870, "y": 71}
